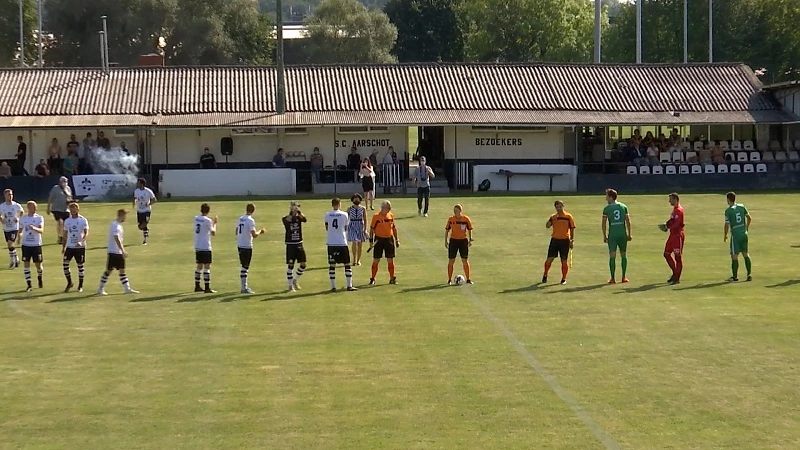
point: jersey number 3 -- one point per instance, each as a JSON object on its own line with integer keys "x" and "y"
{"x": 617, "y": 215}
{"x": 197, "y": 228}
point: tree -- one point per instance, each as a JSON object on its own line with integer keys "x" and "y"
{"x": 345, "y": 31}
{"x": 427, "y": 30}
{"x": 197, "y": 32}
{"x": 529, "y": 30}
{"x": 9, "y": 31}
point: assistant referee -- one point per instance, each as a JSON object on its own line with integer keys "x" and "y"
{"x": 563, "y": 225}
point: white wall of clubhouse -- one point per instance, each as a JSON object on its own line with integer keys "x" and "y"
{"x": 474, "y": 144}
{"x": 186, "y": 146}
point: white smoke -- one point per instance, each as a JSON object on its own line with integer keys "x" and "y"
{"x": 114, "y": 161}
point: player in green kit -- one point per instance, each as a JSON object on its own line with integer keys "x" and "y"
{"x": 617, "y": 234}
{"x": 737, "y": 220}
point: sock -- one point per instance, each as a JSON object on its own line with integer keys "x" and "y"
{"x": 612, "y": 267}
{"x": 103, "y": 281}
{"x": 374, "y": 269}
{"x": 391, "y": 269}
{"x": 81, "y": 273}
{"x": 39, "y": 272}
{"x": 243, "y": 276}
{"x": 146, "y": 233}
{"x": 678, "y": 266}
{"x": 124, "y": 280}
{"x": 466, "y": 267}
{"x": 348, "y": 274}
{"x": 450, "y": 271}
{"x": 300, "y": 271}
{"x": 67, "y": 272}
{"x": 207, "y": 278}
{"x": 624, "y": 266}
{"x": 564, "y": 270}
{"x": 289, "y": 275}
{"x": 748, "y": 265}
{"x": 197, "y": 277}
{"x": 27, "y": 271}
{"x": 12, "y": 254}
{"x": 547, "y": 265}
{"x": 735, "y": 268}
{"x": 332, "y": 276}
{"x": 670, "y": 263}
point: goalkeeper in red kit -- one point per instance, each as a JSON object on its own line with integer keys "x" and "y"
{"x": 673, "y": 250}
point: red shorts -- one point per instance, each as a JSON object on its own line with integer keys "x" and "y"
{"x": 674, "y": 244}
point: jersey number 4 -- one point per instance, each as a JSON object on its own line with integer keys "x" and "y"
{"x": 335, "y": 223}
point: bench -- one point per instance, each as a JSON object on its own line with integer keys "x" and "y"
{"x": 508, "y": 174}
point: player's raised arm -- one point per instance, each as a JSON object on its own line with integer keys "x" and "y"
{"x": 549, "y": 223}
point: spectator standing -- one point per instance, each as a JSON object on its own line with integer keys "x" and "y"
{"x": 423, "y": 178}
{"x": 85, "y": 161}
{"x": 367, "y": 176}
{"x": 22, "y": 154}
{"x": 317, "y": 162}
{"x": 54, "y": 160}
{"x": 41, "y": 169}
{"x": 71, "y": 161}
{"x": 207, "y": 160}
{"x": 279, "y": 160}
{"x": 354, "y": 160}
{"x": 5, "y": 170}
{"x": 393, "y": 153}
{"x": 73, "y": 141}
{"x": 373, "y": 158}
{"x": 102, "y": 141}
{"x": 60, "y": 197}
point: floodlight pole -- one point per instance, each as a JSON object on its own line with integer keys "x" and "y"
{"x": 711, "y": 31}
{"x": 598, "y": 15}
{"x": 639, "y": 31}
{"x": 21, "y": 35}
{"x": 41, "y": 49}
{"x": 280, "y": 91}
{"x": 685, "y": 31}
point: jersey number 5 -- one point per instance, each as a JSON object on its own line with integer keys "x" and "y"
{"x": 335, "y": 223}
{"x": 197, "y": 228}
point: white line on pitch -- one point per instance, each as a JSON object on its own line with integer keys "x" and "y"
{"x": 529, "y": 357}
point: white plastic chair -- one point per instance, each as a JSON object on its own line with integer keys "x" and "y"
{"x": 736, "y": 168}
{"x": 698, "y": 145}
{"x": 761, "y": 168}
{"x": 709, "y": 168}
{"x": 794, "y": 156}
{"x": 677, "y": 156}
{"x": 748, "y": 145}
{"x": 722, "y": 168}
{"x": 690, "y": 155}
{"x": 632, "y": 170}
{"x": 741, "y": 157}
{"x": 755, "y": 156}
{"x": 748, "y": 168}
{"x": 724, "y": 145}
{"x": 657, "y": 170}
{"x": 665, "y": 157}
{"x": 696, "y": 169}
{"x": 730, "y": 156}
{"x": 671, "y": 170}
{"x": 781, "y": 156}
{"x": 644, "y": 170}
{"x": 768, "y": 156}
{"x": 684, "y": 170}
{"x": 736, "y": 146}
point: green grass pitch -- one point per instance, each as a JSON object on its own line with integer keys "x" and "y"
{"x": 503, "y": 364}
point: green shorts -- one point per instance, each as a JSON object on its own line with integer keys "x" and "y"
{"x": 738, "y": 244}
{"x": 617, "y": 242}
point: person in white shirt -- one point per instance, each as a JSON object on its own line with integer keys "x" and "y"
{"x": 423, "y": 179}
{"x": 204, "y": 228}
{"x": 116, "y": 256}
{"x": 245, "y": 233}
{"x": 76, "y": 230}
{"x": 11, "y": 212}
{"x": 143, "y": 199}
{"x": 336, "y": 224}
{"x": 31, "y": 227}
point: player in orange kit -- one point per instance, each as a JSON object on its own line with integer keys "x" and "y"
{"x": 674, "y": 245}
{"x": 563, "y": 225}
{"x": 459, "y": 228}
{"x": 383, "y": 238}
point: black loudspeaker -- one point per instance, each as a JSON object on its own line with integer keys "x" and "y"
{"x": 226, "y": 146}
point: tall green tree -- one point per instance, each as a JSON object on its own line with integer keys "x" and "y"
{"x": 345, "y": 31}
{"x": 529, "y": 30}
{"x": 197, "y": 32}
{"x": 9, "y": 31}
{"x": 427, "y": 30}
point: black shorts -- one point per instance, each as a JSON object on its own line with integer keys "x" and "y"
{"x": 79, "y": 254}
{"x": 115, "y": 262}
{"x": 245, "y": 256}
{"x": 143, "y": 218}
{"x": 458, "y": 246}
{"x": 10, "y": 236}
{"x": 202, "y": 256}
{"x": 383, "y": 246}
{"x": 558, "y": 247}
{"x": 295, "y": 253}
{"x": 32, "y": 254}
{"x": 60, "y": 215}
{"x": 338, "y": 254}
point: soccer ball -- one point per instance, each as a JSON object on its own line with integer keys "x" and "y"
{"x": 460, "y": 280}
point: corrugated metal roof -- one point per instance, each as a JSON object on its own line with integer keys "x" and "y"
{"x": 403, "y": 87}
{"x": 67, "y": 121}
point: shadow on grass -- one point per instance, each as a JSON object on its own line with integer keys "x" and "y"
{"x": 406, "y": 217}
{"x": 786, "y": 283}
{"x": 703, "y": 286}
{"x": 71, "y": 297}
{"x": 276, "y": 296}
{"x": 432, "y": 287}
{"x": 195, "y": 297}
{"x": 532, "y": 288}
{"x": 22, "y": 295}
{"x": 796, "y": 246}
{"x": 591, "y": 287}
{"x": 642, "y": 288}
{"x": 155, "y": 298}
